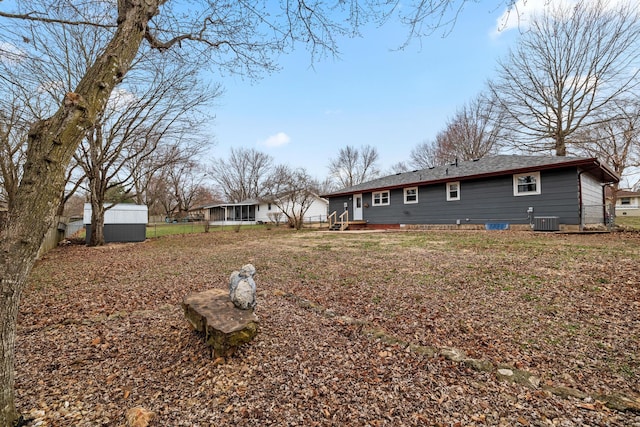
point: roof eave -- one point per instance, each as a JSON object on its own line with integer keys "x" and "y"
{"x": 608, "y": 176}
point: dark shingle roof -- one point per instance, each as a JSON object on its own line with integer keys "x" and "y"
{"x": 484, "y": 167}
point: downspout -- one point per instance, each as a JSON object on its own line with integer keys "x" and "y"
{"x": 580, "y": 209}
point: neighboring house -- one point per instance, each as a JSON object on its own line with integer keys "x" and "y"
{"x": 201, "y": 213}
{"x": 317, "y": 211}
{"x": 254, "y": 211}
{"x": 627, "y": 203}
{"x": 544, "y": 193}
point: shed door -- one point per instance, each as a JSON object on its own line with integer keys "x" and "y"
{"x": 357, "y": 207}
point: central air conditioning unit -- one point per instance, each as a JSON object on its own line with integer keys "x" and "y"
{"x": 546, "y": 223}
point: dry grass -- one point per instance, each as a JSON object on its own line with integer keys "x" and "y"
{"x": 105, "y": 327}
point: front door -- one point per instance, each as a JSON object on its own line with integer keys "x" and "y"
{"x": 357, "y": 207}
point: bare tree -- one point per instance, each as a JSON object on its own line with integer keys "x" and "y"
{"x": 354, "y": 166}
{"x": 31, "y": 91}
{"x": 13, "y": 136}
{"x": 474, "y": 131}
{"x": 51, "y": 144}
{"x": 186, "y": 184}
{"x": 241, "y": 176}
{"x": 566, "y": 70}
{"x": 275, "y": 217}
{"x": 399, "y": 167}
{"x": 149, "y": 173}
{"x": 135, "y": 128}
{"x": 326, "y": 186}
{"x": 158, "y": 197}
{"x": 292, "y": 191}
{"x": 616, "y": 140}
{"x": 238, "y": 36}
{"x": 425, "y": 155}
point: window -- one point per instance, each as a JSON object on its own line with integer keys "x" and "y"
{"x": 411, "y": 195}
{"x": 380, "y": 198}
{"x": 268, "y": 206}
{"x": 453, "y": 191}
{"x": 526, "y": 184}
{"x": 625, "y": 201}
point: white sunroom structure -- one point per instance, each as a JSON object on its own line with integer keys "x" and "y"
{"x": 232, "y": 213}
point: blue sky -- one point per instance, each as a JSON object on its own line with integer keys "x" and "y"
{"x": 392, "y": 100}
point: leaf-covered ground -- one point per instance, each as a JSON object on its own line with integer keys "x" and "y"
{"x": 101, "y": 330}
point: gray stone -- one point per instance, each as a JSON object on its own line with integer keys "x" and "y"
{"x": 242, "y": 288}
{"x": 244, "y": 295}
{"x": 248, "y": 270}
{"x": 453, "y": 354}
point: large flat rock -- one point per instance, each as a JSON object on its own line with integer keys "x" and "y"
{"x": 225, "y": 327}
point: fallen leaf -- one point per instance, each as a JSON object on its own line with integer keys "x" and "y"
{"x": 139, "y": 417}
{"x": 589, "y": 406}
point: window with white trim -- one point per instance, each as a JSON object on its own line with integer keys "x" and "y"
{"x": 381, "y": 198}
{"x": 453, "y": 191}
{"x": 411, "y": 195}
{"x": 526, "y": 184}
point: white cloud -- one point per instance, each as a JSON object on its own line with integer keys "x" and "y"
{"x": 277, "y": 140}
{"x": 121, "y": 99}
{"x": 10, "y": 53}
{"x": 52, "y": 87}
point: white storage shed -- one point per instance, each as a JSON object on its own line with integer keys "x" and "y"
{"x": 122, "y": 222}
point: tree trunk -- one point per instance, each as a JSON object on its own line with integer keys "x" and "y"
{"x": 97, "y": 222}
{"x": 9, "y": 300}
{"x": 560, "y": 146}
{"x": 97, "y": 196}
{"x": 298, "y": 221}
{"x": 51, "y": 144}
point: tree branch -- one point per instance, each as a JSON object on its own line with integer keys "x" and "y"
{"x": 35, "y": 16}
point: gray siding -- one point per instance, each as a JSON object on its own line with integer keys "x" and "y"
{"x": 481, "y": 201}
{"x": 336, "y": 204}
{"x": 121, "y": 232}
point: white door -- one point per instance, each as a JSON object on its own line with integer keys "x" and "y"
{"x": 357, "y": 207}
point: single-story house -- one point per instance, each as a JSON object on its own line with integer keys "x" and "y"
{"x": 627, "y": 203}
{"x": 507, "y": 191}
{"x": 254, "y": 211}
{"x": 316, "y": 212}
